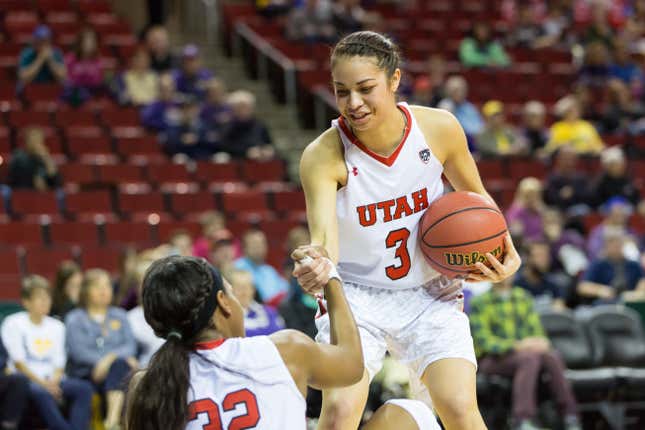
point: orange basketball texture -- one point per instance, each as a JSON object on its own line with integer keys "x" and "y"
{"x": 458, "y": 229}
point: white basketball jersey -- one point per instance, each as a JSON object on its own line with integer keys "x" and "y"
{"x": 380, "y": 207}
{"x": 242, "y": 383}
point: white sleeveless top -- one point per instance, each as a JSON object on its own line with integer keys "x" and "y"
{"x": 380, "y": 207}
{"x": 242, "y": 383}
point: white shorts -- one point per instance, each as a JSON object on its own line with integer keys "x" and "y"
{"x": 418, "y": 326}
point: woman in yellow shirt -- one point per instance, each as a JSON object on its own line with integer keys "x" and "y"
{"x": 572, "y": 130}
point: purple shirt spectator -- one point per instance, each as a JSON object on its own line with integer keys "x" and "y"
{"x": 191, "y": 78}
{"x": 530, "y": 219}
{"x": 262, "y": 320}
{"x": 160, "y": 115}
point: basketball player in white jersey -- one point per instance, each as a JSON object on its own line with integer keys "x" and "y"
{"x": 208, "y": 376}
{"x": 367, "y": 181}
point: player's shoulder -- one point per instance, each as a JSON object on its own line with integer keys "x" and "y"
{"x": 327, "y": 145}
{"x": 291, "y": 344}
{"x": 434, "y": 118}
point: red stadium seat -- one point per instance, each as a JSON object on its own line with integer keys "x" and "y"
{"x": 74, "y": 233}
{"x": 5, "y": 143}
{"x": 55, "y": 5}
{"x": 34, "y": 203}
{"x": 8, "y": 99}
{"x": 217, "y": 172}
{"x": 81, "y": 174}
{"x": 105, "y": 257}
{"x": 20, "y": 21}
{"x": 89, "y": 203}
{"x": 491, "y": 169}
{"x": 127, "y": 117}
{"x": 168, "y": 173}
{"x": 119, "y": 173}
{"x": 258, "y": 171}
{"x": 67, "y": 118}
{"x": 147, "y": 145}
{"x": 19, "y": 233}
{"x": 9, "y": 264}
{"x": 245, "y": 201}
{"x": 9, "y": 53}
{"x": 521, "y": 168}
{"x": 63, "y": 24}
{"x": 128, "y": 232}
{"x": 45, "y": 261}
{"x": 286, "y": 201}
{"x": 36, "y": 92}
{"x": 79, "y": 146}
{"x": 15, "y": 5}
{"x": 94, "y": 6}
{"x": 152, "y": 202}
{"x": 277, "y": 230}
{"x": 192, "y": 202}
{"x": 165, "y": 229}
{"x": 83, "y": 132}
{"x": 22, "y": 119}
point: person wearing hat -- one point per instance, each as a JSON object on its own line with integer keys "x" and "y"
{"x": 497, "y": 138}
{"x": 41, "y": 62}
{"x": 191, "y": 78}
{"x": 188, "y": 136}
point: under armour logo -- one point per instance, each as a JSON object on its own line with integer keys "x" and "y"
{"x": 355, "y": 171}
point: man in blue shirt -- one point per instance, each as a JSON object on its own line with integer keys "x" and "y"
{"x": 191, "y": 78}
{"x": 41, "y": 62}
{"x": 271, "y": 287}
{"x": 465, "y": 112}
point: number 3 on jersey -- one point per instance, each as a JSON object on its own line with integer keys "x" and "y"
{"x": 399, "y": 239}
{"x": 241, "y": 422}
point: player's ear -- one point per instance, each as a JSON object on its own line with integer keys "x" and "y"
{"x": 224, "y": 303}
{"x": 395, "y": 80}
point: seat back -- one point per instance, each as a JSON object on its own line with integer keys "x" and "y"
{"x": 569, "y": 338}
{"x": 617, "y": 336}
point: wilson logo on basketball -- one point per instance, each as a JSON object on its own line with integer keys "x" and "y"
{"x": 468, "y": 259}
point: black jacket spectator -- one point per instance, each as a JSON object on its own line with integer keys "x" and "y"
{"x": 565, "y": 187}
{"x": 614, "y": 180}
{"x": 33, "y": 167}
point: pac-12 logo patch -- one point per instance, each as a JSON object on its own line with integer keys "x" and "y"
{"x": 424, "y": 155}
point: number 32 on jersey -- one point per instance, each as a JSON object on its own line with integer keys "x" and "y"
{"x": 243, "y": 397}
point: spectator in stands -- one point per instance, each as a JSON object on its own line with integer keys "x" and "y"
{"x": 599, "y": 30}
{"x": 612, "y": 276}
{"x": 84, "y": 68}
{"x": 634, "y": 30}
{"x": 223, "y": 250}
{"x": 566, "y": 187}
{"x": 67, "y": 289}
{"x": 498, "y": 138}
{"x": 259, "y": 319}
{"x": 247, "y": 135}
{"x": 311, "y": 23}
{"x": 191, "y": 79}
{"x": 349, "y": 16}
{"x": 596, "y": 68}
{"x": 35, "y": 344}
{"x": 139, "y": 84}
{"x": 533, "y": 134}
{"x": 271, "y": 287}
{"x": 481, "y": 50}
{"x": 212, "y": 222}
{"x": 188, "y": 136}
{"x": 573, "y": 130}
{"x": 164, "y": 112}
{"x": 215, "y": 113}
{"x": 617, "y": 211}
{"x": 158, "y": 44}
{"x": 554, "y": 24}
{"x": 100, "y": 344}
{"x": 125, "y": 286}
{"x": 33, "y": 167}
{"x": 14, "y": 392}
{"x": 147, "y": 342}
{"x": 180, "y": 243}
{"x": 614, "y": 180}
{"x": 430, "y": 89}
{"x": 465, "y": 112}
{"x": 622, "y": 114}
{"x": 509, "y": 340}
{"x": 526, "y": 31}
{"x": 524, "y": 216}
{"x": 537, "y": 276}
{"x": 41, "y": 62}
{"x": 568, "y": 246}
{"x": 273, "y": 8}
{"x": 623, "y": 67}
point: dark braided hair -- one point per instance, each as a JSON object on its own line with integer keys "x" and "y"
{"x": 369, "y": 44}
{"x": 176, "y": 292}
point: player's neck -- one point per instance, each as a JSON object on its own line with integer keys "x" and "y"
{"x": 210, "y": 335}
{"x": 385, "y": 137}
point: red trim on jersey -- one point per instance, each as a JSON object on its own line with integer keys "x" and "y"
{"x": 211, "y": 344}
{"x": 388, "y": 161}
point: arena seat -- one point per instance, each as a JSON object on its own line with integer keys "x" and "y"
{"x": 186, "y": 203}
{"x": 286, "y": 201}
{"x": 208, "y": 173}
{"x": 522, "y": 167}
{"x": 88, "y": 204}
{"x": 244, "y": 201}
{"x": 54, "y": 6}
{"x": 8, "y": 98}
{"x": 83, "y": 132}
{"x": 166, "y": 228}
{"x": 25, "y": 203}
{"x": 150, "y": 202}
{"x": 128, "y": 233}
{"x": 37, "y": 92}
{"x": 121, "y": 117}
{"x": 77, "y": 173}
{"x": 73, "y": 233}
{"x": 119, "y": 173}
{"x": 45, "y": 261}
{"x": 105, "y": 257}
{"x": 143, "y": 147}
{"x": 258, "y": 171}
{"x": 22, "y": 119}
{"x": 67, "y": 118}
{"x": 94, "y": 6}
{"x": 168, "y": 173}
{"x": 21, "y": 233}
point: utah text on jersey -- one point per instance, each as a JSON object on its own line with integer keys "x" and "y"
{"x": 403, "y": 206}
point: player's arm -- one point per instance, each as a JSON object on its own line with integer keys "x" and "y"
{"x": 319, "y": 174}
{"x": 337, "y": 364}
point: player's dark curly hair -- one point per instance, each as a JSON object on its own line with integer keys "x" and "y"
{"x": 176, "y": 291}
{"x": 369, "y": 44}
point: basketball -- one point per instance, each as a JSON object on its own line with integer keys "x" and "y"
{"x": 458, "y": 229}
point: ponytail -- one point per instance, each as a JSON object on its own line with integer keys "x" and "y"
{"x": 159, "y": 399}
